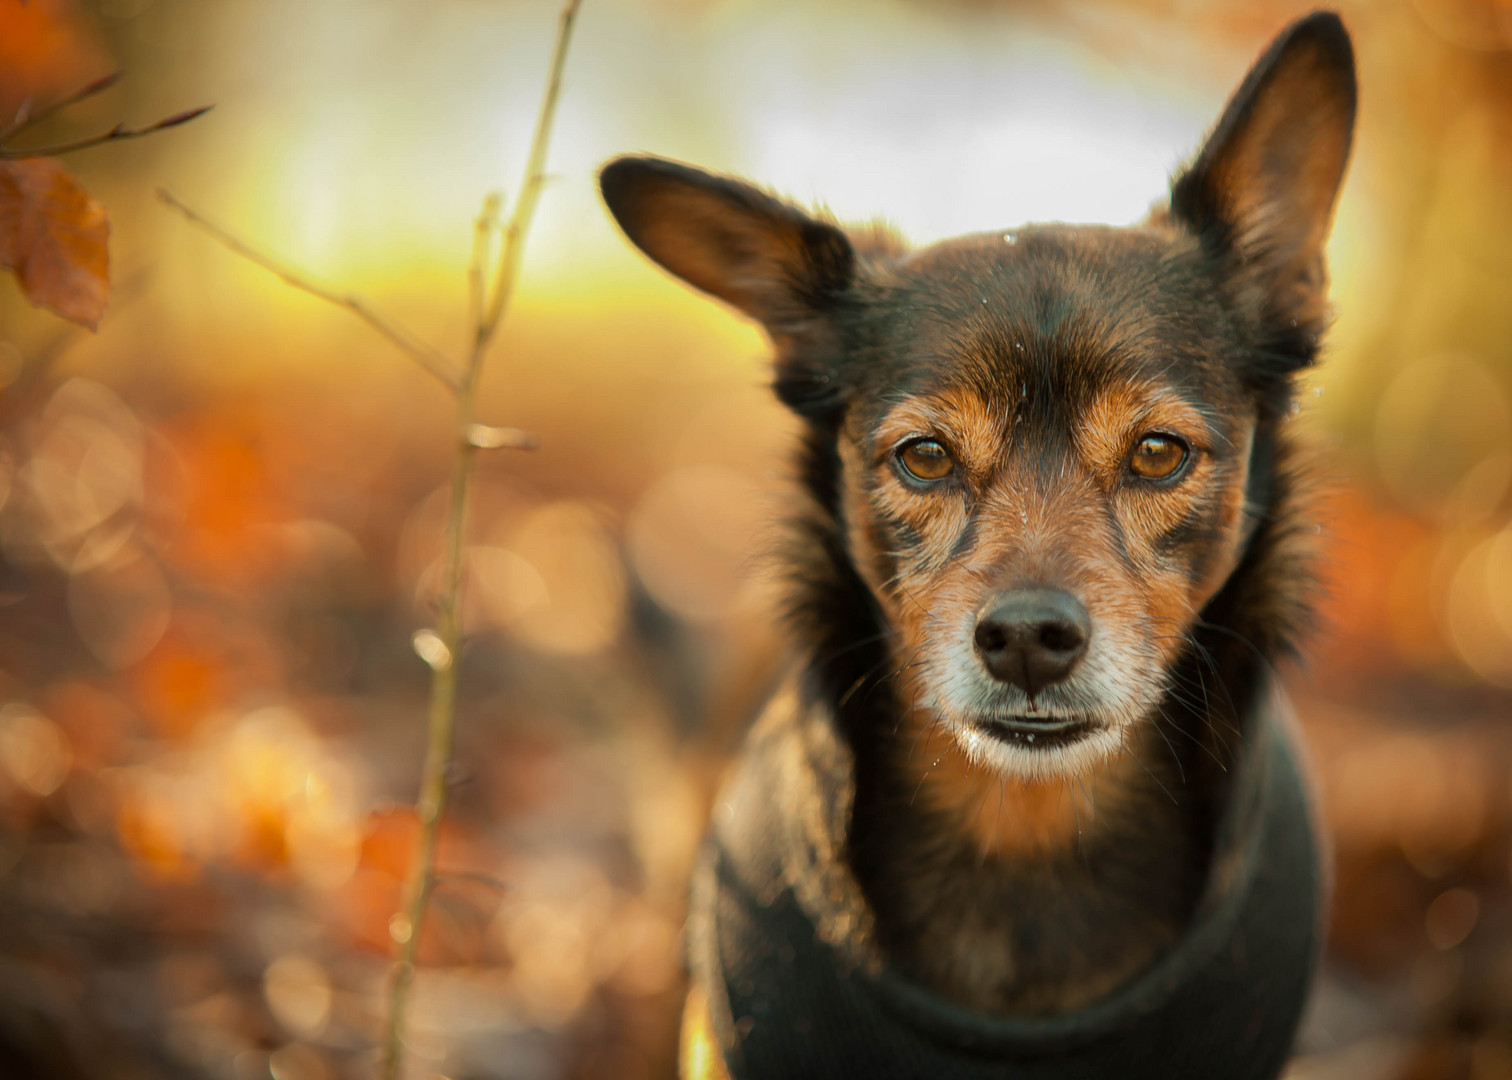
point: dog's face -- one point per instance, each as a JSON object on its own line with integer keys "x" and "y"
{"x": 1044, "y": 473}
{"x": 1045, "y": 435}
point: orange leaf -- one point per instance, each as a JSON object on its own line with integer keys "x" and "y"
{"x": 53, "y": 235}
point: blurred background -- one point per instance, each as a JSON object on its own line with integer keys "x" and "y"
{"x": 220, "y": 517}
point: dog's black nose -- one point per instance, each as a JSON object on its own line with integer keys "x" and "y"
{"x": 1032, "y": 637}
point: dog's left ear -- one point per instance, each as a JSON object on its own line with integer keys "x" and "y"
{"x": 1261, "y": 192}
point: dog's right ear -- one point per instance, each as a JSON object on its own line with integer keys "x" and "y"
{"x": 768, "y": 258}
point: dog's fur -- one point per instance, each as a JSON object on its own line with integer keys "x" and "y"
{"x": 1009, "y": 874}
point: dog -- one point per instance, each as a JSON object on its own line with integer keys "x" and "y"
{"x": 1028, "y": 805}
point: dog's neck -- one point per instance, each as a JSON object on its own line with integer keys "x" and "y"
{"x": 1034, "y": 898}
{"x": 1021, "y": 897}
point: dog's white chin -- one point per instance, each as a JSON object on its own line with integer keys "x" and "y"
{"x": 1051, "y": 759}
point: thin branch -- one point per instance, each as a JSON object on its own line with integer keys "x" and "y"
{"x": 115, "y": 134}
{"x": 428, "y": 358}
{"x": 483, "y": 230}
{"x": 438, "y": 648}
{"x": 25, "y": 118}
{"x": 431, "y": 805}
{"x": 530, "y": 193}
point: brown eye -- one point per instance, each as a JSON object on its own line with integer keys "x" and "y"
{"x": 926, "y": 460}
{"x": 1158, "y": 457}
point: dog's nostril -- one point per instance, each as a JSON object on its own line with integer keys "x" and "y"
{"x": 1032, "y": 637}
{"x": 1060, "y": 636}
{"x": 990, "y": 637}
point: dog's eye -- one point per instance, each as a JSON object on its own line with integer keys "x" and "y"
{"x": 926, "y": 459}
{"x": 1158, "y": 457}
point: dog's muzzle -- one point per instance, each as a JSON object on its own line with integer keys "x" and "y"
{"x": 1032, "y": 637}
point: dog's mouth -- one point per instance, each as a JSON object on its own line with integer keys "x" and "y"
{"x": 1036, "y": 731}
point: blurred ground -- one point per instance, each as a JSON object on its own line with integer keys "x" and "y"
{"x": 220, "y": 517}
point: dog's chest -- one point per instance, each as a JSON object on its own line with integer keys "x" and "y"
{"x": 797, "y": 983}
{"x": 1009, "y": 936}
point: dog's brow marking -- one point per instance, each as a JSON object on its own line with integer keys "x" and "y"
{"x": 973, "y": 432}
{"x": 1120, "y": 413}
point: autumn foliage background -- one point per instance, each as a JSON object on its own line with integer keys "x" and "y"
{"x": 220, "y": 516}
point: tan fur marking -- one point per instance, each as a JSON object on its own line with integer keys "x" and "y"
{"x": 1111, "y": 425}
{"x": 979, "y": 430}
{"x": 971, "y": 430}
{"x": 1119, "y": 415}
{"x": 1033, "y": 529}
{"x": 937, "y": 515}
{"x": 1005, "y": 816}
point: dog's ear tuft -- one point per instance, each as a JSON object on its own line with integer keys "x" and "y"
{"x": 1261, "y": 192}
{"x": 767, "y": 258}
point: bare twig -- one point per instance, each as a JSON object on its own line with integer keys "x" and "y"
{"x": 530, "y": 192}
{"x": 115, "y": 134}
{"x": 424, "y": 355}
{"x": 469, "y": 438}
{"x": 26, "y": 118}
{"x": 439, "y": 648}
{"x": 483, "y": 231}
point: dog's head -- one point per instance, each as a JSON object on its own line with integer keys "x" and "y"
{"x": 1051, "y": 439}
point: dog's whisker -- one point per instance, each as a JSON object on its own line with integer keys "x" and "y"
{"x": 1206, "y": 656}
{"x": 1158, "y": 782}
{"x": 893, "y": 674}
{"x": 854, "y": 645}
{"x": 1175, "y": 757}
{"x": 997, "y": 825}
{"x": 924, "y": 774}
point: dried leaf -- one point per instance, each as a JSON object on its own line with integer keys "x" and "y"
{"x": 53, "y": 235}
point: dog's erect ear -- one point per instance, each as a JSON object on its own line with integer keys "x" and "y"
{"x": 764, "y": 256}
{"x": 769, "y": 259}
{"x": 1262, "y": 190}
